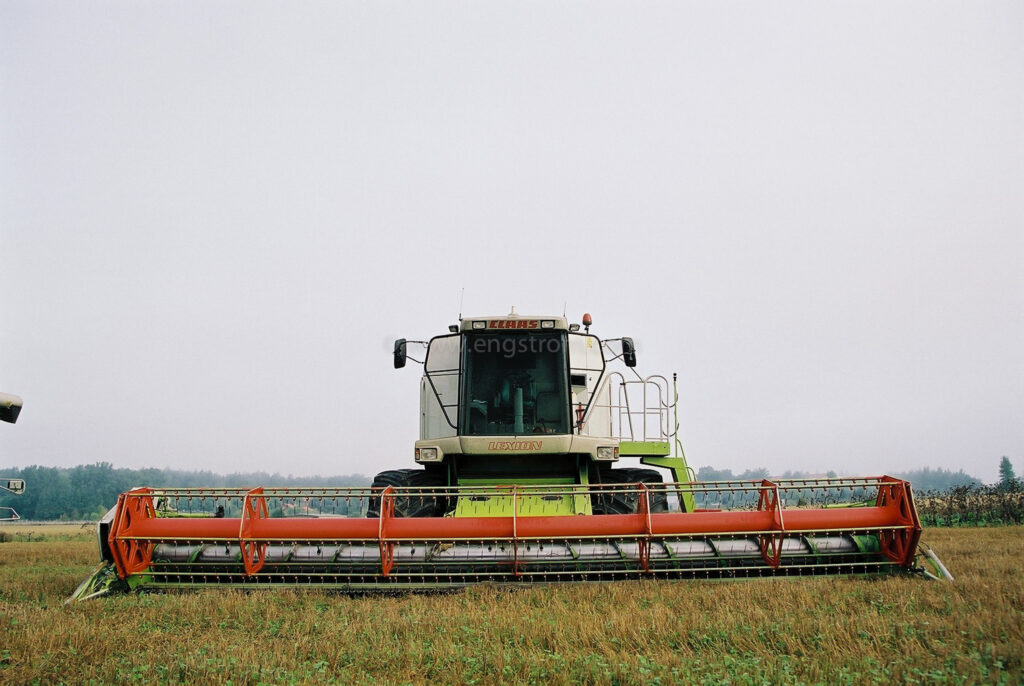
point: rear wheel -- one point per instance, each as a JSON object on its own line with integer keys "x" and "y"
{"x": 610, "y": 498}
{"x": 418, "y": 505}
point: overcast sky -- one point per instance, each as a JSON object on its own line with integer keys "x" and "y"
{"x": 215, "y": 216}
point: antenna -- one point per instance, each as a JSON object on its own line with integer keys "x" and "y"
{"x": 565, "y": 305}
{"x": 462, "y": 293}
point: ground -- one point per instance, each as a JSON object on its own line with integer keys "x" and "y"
{"x": 817, "y": 630}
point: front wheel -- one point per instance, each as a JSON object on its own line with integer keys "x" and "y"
{"x": 611, "y": 497}
{"x": 427, "y": 504}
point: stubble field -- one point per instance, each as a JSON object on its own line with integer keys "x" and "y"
{"x": 815, "y": 630}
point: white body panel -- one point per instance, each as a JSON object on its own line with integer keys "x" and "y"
{"x": 516, "y": 445}
{"x": 432, "y": 421}
{"x": 439, "y": 388}
{"x": 586, "y": 363}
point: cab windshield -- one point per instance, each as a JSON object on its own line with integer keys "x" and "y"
{"x": 514, "y": 384}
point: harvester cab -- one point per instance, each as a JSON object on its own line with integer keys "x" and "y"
{"x": 530, "y": 400}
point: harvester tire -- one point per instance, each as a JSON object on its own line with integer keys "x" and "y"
{"x": 626, "y": 503}
{"x": 410, "y": 505}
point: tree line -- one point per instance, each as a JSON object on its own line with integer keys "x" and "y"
{"x": 88, "y": 491}
{"x": 932, "y": 480}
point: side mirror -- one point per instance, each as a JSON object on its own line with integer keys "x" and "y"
{"x": 399, "y": 353}
{"x": 10, "y": 407}
{"x": 15, "y": 486}
{"x": 628, "y": 352}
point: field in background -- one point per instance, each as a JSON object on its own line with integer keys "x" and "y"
{"x": 40, "y": 531}
{"x": 758, "y": 632}
{"x": 971, "y": 506}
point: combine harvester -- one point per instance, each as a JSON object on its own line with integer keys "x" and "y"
{"x": 10, "y": 408}
{"x": 523, "y": 424}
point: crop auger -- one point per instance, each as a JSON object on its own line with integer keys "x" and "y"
{"x": 522, "y": 427}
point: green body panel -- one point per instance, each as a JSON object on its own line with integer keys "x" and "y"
{"x": 104, "y": 581}
{"x": 867, "y": 543}
{"x": 536, "y": 504}
{"x": 644, "y": 448}
{"x": 680, "y": 475}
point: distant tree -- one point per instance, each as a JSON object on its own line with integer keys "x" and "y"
{"x": 1007, "y": 478}
{"x": 938, "y": 480}
{"x": 709, "y": 473}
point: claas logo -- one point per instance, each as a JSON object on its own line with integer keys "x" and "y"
{"x": 514, "y": 324}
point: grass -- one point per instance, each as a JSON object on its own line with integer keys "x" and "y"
{"x": 816, "y": 630}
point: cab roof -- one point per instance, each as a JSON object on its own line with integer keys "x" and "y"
{"x": 514, "y": 323}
